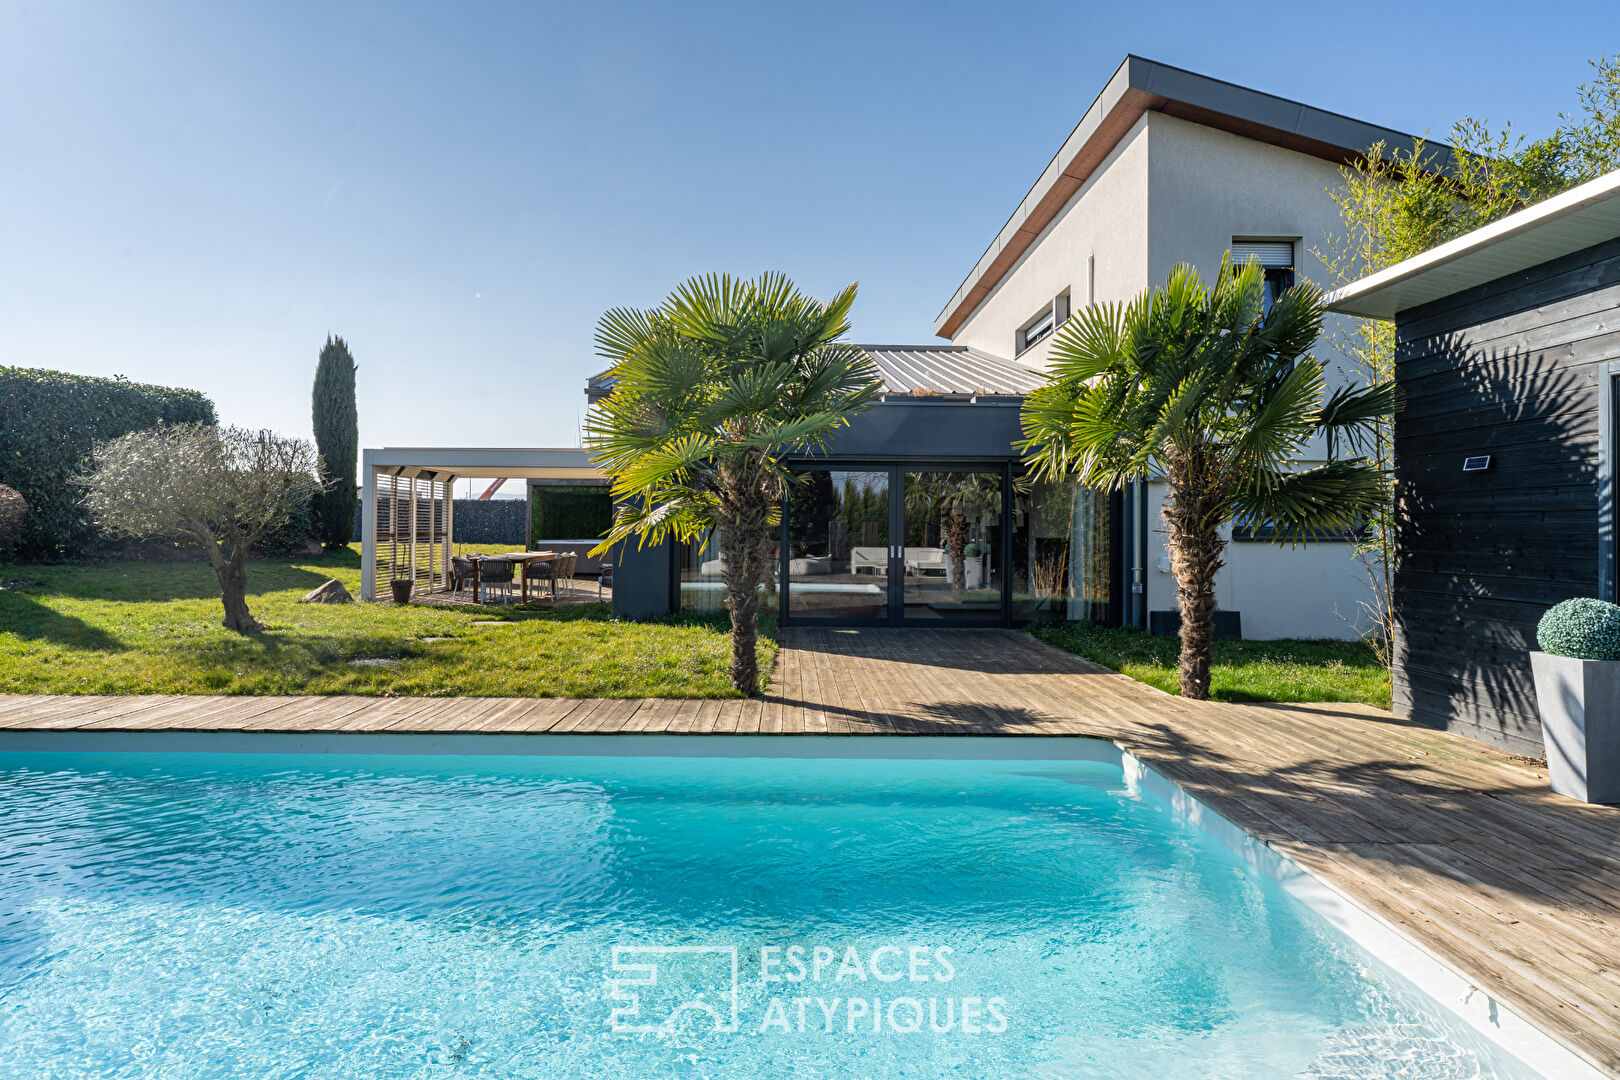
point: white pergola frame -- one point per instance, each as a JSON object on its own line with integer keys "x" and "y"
{"x": 431, "y": 472}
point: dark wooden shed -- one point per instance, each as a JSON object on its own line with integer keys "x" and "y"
{"x": 1508, "y": 349}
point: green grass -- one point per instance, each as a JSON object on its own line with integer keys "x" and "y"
{"x": 148, "y": 628}
{"x": 1286, "y": 670}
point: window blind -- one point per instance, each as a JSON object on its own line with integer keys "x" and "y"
{"x": 1269, "y": 253}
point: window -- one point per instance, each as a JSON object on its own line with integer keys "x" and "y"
{"x": 1276, "y": 257}
{"x": 1037, "y": 331}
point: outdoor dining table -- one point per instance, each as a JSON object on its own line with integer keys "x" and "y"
{"x": 522, "y": 559}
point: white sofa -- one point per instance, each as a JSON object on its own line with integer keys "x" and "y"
{"x": 922, "y": 560}
{"x": 873, "y": 559}
{"x": 919, "y": 560}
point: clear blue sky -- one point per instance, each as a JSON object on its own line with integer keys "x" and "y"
{"x": 196, "y": 193}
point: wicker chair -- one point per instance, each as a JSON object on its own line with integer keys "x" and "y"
{"x": 494, "y": 572}
{"x": 461, "y": 570}
{"x": 604, "y": 577}
{"x": 565, "y": 570}
{"x": 545, "y": 571}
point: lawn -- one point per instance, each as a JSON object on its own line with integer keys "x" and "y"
{"x": 1286, "y": 670}
{"x": 153, "y": 628}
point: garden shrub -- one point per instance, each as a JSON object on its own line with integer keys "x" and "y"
{"x": 1584, "y": 628}
{"x": 49, "y": 422}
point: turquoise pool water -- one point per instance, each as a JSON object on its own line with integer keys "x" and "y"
{"x": 246, "y": 915}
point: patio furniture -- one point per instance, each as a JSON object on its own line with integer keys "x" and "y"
{"x": 462, "y": 569}
{"x": 585, "y": 565}
{"x": 604, "y": 576}
{"x": 495, "y": 571}
{"x": 545, "y": 571}
{"x": 809, "y": 565}
{"x": 922, "y": 560}
{"x": 565, "y": 570}
{"x": 522, "y": 560}
{"x": 875, "y": 559}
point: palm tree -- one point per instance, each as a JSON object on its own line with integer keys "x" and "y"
{"x": 712, "y": 387}
{"x": 1215, "y": 393}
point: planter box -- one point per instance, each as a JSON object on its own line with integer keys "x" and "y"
{"x": 1228, "y": 624}
{"x": 1579, "y": 702}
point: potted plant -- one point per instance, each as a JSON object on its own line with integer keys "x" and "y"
{"x": 973, "y": 568}
{"x": 1577, "y": 676}
{"x": 401, "y": 587}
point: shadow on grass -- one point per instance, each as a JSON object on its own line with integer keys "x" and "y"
{"x": 142, "y": 583}
{"x": 24, "y": 616}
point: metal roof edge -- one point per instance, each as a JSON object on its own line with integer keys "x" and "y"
{"x": 1142, "y": 85}
{"x": 1360, "y": 297}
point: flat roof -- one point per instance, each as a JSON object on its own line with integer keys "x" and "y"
{"x": 1136, "y": 87}
{"x": 1561, "y": 225}
{"x": 514, "y": 462}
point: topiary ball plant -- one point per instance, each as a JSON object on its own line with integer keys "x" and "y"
{"x": 1584, "y": 628}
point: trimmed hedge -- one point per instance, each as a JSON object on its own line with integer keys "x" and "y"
{"x": 574, "y": 512}
{"x": 1584, "y": 628}
{"x": 49, "y": 421}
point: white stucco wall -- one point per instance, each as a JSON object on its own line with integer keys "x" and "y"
{"x": 1107, "y": 218}
{"x": 1205, "y": 187}
{"x": 1175, "y": 191}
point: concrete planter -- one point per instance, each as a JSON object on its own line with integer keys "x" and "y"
{"x": 1579, "y": 703}
{"x": 973, "y": 572}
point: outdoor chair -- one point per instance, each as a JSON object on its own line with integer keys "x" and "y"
{"x": 543, "y": 572}
{"x": 461, "y": 570}
{"x": 494, "y": 572}
{"x": 604, "y": 576}
{"x": 565, "y": 570}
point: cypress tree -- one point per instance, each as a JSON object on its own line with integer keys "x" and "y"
{"x": 337, "y": 439}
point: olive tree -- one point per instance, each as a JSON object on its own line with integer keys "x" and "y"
{"x": 219, "y": 490}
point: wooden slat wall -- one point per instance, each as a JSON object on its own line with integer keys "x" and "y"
{"x": 1508, "y": 369}
{"x": 413, "y": 530}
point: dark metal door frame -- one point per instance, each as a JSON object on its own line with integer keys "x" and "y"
{"x": 895, "y": 613}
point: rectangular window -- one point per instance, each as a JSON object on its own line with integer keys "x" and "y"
{"x": 1037, "y": 331}
{"x": 1277, "y": 259}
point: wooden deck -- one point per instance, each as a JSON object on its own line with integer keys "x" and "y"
{"x": 1461, "y": 847}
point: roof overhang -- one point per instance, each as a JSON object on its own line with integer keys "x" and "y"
{"x": 441, "y": 462}
{"x": 1561, "y": 225}
{"x": 1140, "y": 86}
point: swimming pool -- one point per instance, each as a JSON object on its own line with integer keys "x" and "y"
{"x": 665, "y": 915}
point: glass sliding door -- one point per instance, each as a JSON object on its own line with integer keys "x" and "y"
{"x": 949, "y": 555}
{"x": 837, "y": 557}
{"x": 1062, "y": 553}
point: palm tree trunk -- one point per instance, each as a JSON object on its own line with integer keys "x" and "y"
{"x": 953, "y": 527}
{"x": 745, "y": 530}
{"x": 1195, "y": 558}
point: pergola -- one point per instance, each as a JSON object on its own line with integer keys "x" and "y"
{"x": 408, "y": 510}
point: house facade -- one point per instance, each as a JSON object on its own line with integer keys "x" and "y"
{"x": 919, "y": 511}
{"x": 1168, "y": 166}
{"x": 1508, "y": 351}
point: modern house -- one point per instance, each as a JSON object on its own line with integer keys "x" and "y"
{"x": 1165, "y": 166}
{"x": 919, "y": 512}
{"x": 1508, "y": 349}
